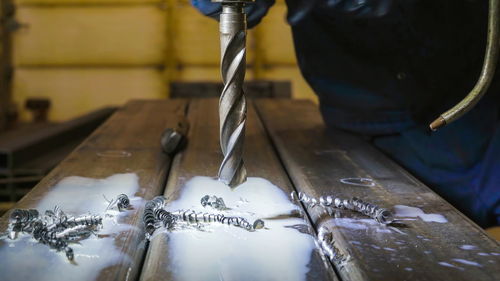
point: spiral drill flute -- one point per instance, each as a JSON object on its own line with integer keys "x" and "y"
{"x": 232, "y": 103}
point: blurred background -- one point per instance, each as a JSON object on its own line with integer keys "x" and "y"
{"x": 65, "y": 65}
{"x": 85, "y": 54}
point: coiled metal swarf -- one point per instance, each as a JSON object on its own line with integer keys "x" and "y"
{"x": 149, "y": 222}
{"x": 84, "y": 220}
{"x": 122, "y": 202}
{"x": 23, "y": 216}
{"x": 60, "y": 245}
{"x": 166, "y": 217}
{"x": 157, "y": 202}
{"x": 149, "y": 216}
{"x": 381, "y": 215}
{"x": 74, "y": 233}
{"x": 190, "y": 216}
{"x": 326, "y": 242}
{"x": 213, "y": 201}
{"x": 232, "y": 103}
{"x": 55, "y": 229}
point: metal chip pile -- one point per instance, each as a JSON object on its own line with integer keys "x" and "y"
{"x": 54, "y": 229}
{"x": 155, "y": 215}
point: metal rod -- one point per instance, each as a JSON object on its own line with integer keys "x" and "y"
{"x": 232, "y": 103}
{"x": 489, "y": 65}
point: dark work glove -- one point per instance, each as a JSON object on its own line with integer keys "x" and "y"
{"x": 255, "y": 11}
{"x": 298, "y": 9}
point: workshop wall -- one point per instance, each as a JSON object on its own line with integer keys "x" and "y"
{"x": 84, "y": 54}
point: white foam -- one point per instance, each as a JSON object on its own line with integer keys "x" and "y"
{"x": 407, "y": 211}
{"x": 364, "y": 224}
{"x": 468, "y": 247}
{"x": 450, "y": 265}
{"x": 224, "y": 252}
{"x": 26, "y": 259}
{"x": 467, "y": 262}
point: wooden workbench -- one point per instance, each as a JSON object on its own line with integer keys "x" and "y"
{"x": 288, "y": 144}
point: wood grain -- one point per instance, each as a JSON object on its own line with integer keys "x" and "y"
{"x": 202, "y": 158}
{"x": 316, "y": 159}
{"x": 136, "y": 129}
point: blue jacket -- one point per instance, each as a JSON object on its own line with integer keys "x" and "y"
{"x": 385, "y": 69}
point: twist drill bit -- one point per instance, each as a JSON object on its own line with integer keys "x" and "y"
{"x": 232, "y": 103}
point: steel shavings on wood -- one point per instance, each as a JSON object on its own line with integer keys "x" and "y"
{"x": 54, "y": 229}
{"x": 155, "y": 215}
{"x": 214, "y": 202}
{"x": 327, "y": 245}
{"x": 379, "y": 214}
{"x": 122, "y": 202}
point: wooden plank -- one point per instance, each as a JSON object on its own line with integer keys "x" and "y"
{"x": 127, "y": 143}
{"x": 316, "y": 160}
{"x": 93, "y": 35}
{"x": 76, "y": 91}
{"x": 202, "y": 157}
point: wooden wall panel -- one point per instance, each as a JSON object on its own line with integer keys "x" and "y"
{"x": 75, "y": 91}
{"x": 127, "y": 35}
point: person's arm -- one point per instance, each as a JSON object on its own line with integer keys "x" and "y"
{"x": 362, "y": 9}
{"x": 255, "y": 11}
{"x": 299, "y": 9}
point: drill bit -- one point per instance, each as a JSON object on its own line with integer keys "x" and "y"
{"x": 232, "y": 103}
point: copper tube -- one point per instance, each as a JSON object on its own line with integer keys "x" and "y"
{"x": 487, "y": 72}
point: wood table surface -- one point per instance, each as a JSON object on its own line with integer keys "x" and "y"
{"x": 287, "y": 143}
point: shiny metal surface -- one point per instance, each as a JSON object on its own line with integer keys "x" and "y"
{"x": 232, "y": 103}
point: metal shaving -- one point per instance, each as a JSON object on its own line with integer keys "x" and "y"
{"x": 214, "y": 202}
{"x": 381, "y": 215}
{"x": 54, "y": 229}
{"x": 327, "y": 245}
{"x": 155, "y": 215}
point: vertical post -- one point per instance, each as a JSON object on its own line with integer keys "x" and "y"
{"x": 7, "y": 24}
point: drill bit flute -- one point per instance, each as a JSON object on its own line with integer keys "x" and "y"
{"x": 232, "y": 103}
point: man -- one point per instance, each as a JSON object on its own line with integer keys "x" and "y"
{"x": 385, "y": 69}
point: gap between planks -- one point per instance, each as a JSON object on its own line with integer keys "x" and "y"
{"x": 202, "y": 157}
